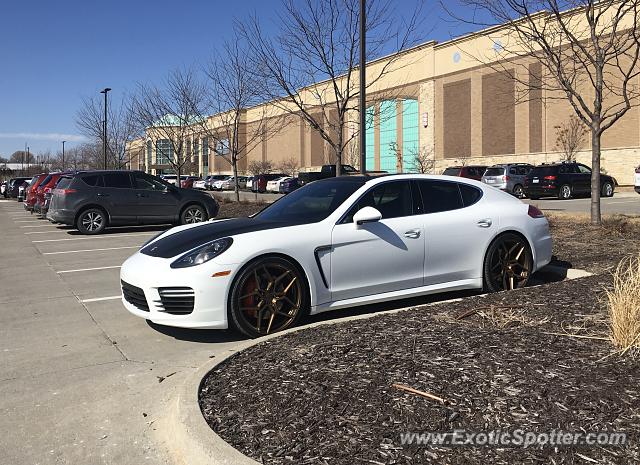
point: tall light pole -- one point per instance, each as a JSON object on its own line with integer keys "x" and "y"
{"x": 63, "y": 142}
{"x": 105, "y": 91}
{"x": 362, "y": 104}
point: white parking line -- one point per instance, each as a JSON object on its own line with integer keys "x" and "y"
{"x": 62, "y": 231}
{"x": 28, "y": 221}
{"x": 90, "y": 269}
{"x": 99, "y": 299}
{"x": 90, "y": 250}
{"x": 39, "y": 226}
{"x": 108, "y": 236}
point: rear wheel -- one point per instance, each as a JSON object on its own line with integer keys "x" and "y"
{"x": 564, "y": 193}
{"x": 607, "y": 189}
{"x": 508, "y": 263}
{"x": 91, "y": 221}
{"x": 518, "y": 191}
{"x": 268, "y": 296}
{"x": 193, "y": 214}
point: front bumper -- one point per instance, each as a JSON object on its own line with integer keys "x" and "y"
{"x": 152, "y": 273}
{"x": 637, "y": 189}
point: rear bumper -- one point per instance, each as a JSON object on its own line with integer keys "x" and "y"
{"x": 61, "y": 216}
{"x": 541, "y": 191}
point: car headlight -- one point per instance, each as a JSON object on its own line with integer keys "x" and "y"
{"x": 203, "y": 253}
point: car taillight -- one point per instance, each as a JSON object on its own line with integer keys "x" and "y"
{"x": 65, "y": 191}
{"x": 549, "y": 178}
{"x": 47, "y": 190}
{"x": 534, "y": 212}
{"x": 505, "y": 178}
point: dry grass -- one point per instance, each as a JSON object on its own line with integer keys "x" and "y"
{"x": 624, "y": 305}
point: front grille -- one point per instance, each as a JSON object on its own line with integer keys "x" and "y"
{"x": 135, "y": 296}
{"x": 176, "y": 300}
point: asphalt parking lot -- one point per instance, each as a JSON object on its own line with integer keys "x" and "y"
{"x": 81, "y": 380}
{"x": 622, "y": 203}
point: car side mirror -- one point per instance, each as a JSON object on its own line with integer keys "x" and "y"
{"x": 366, "y": 215}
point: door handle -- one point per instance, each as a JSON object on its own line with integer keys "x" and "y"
{"x": 485, "y": 223}
{"x": 102, "y": 194}
{"x": 412, "y": 234}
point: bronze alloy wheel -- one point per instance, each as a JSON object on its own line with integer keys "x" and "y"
{"x": 268, "y": 296}
{"x": 508, "y": 264}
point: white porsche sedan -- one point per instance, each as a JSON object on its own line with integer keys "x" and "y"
{"x": 336, "y": 243}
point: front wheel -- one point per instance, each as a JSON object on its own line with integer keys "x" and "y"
{"x": 607, "y": 189}
{"x": 193, "y": 214}
{"x": 508, "y": 263}
{"x": 269, "y": 295}
{"x": 92, "y": 221}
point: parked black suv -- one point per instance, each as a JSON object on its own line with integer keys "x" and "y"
{"x": 14, "y": 185}
{"x": 564, "y": 180}
{"x": 92, "y": 200}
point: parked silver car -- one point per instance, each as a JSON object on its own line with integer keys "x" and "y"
{"x": 508, "y": 177}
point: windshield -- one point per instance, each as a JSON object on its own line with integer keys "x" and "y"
{"x": 543, "y": 171}
{"x": 311, "y": 203}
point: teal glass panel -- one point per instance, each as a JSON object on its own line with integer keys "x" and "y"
{"x": 410, "y": 137}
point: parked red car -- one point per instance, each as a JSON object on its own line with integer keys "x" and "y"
{"x": 471, "y": 171}
{"x": 188, "y": 183}
{"x": 45, "y": 187}
{"x": 32, "y": 192}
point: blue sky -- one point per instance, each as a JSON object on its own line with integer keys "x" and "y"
{"x": 54, "y": 53}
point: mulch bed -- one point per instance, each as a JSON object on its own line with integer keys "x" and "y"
{"x": 238, "y": 209}
{"x": 325, "y": 395}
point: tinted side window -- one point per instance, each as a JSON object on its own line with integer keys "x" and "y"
{"x": 583, "y": 169}
{"x": 146, "y": 182}
{"x": 120, "y": 180}
{"x": 512, "y": 170}
{"x": 440, "y": 196}
{"x": 94, "y": 180}
{"x": 63, "y": 183}
{"x": 391, "y": 199}
{"x": 470, "y": 194}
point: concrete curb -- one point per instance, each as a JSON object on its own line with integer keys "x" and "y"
{"x": 190, "y": 439}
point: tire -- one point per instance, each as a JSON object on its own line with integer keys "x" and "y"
{"x": 508, "y": 263}
{"x": 91, "y": 221}
{"x": 518, "y": 191}
{"x": 565, "y": 192}
{"x": 269, "y": 295}
{"x": 193, "y": 214}
{"x": 607, "y": 189}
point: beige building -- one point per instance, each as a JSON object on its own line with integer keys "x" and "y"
{"x": 447, "y": 101}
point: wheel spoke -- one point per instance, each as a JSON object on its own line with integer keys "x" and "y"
{"x": 519, "y": 253}
{"x": 273, "y": 315}
{"x": 279, "y": 278}
{"x": 289, "y": 286}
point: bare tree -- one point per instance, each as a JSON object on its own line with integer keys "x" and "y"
{"x": 171, "y": 115}
{"x": 120, "y": 127}
{"x": 423, "y": 160}
{"x": 232, "y": 89}
{"x": 589, "y": 55}
{"x": 570, "y": 137}
{"x": 257, "y": 167}
{"x": 310, "y": 68}
{"x": 288, "y": 166}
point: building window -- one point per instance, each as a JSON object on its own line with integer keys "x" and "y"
{"x": 149, "y": 155}
{"x": 222, "y": 147}
{"x": 164, "y": 151}
{"x": 370, "y": 138}
{"x": 410, "y": 145}
{"x": 205, "y": 155}
{"x": 388, "y": 136}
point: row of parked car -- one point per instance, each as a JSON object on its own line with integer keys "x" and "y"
{"x": 94, "y": 200}
{"x": 562, "y": 180}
